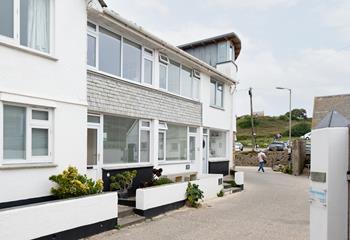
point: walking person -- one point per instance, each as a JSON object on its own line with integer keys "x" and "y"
{"x": 262, "y": 160}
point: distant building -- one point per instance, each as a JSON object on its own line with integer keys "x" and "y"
{"x": 259, "y": 113}
{"x": 325, "y": 104}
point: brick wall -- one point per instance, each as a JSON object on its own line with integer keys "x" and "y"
{"x": 111, "y": 95}
{"x": 324, "y": 105}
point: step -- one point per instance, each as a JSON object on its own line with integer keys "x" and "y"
{"x": 227, "y": 185}
{"x": 130, "y": 220}
{"x": 124, "y": 211}
{"x": 131, "y": 201}
{"x": 232, "y": 190}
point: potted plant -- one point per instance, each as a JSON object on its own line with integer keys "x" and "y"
{"x": 122, "y": 182}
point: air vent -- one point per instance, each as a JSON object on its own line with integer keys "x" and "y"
{"x": 196, "y": 73}
{"x": 163, "y": 59}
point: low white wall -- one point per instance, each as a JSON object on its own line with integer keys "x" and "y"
{"x": 152, "y": 197}
{"x": 43, "y": 219}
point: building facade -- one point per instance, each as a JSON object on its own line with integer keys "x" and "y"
{"x": 109, "y": 98}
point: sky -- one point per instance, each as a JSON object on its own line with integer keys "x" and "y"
{"x": 299, "y": 44}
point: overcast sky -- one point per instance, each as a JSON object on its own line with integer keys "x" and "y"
{"x": 300, "y": 44}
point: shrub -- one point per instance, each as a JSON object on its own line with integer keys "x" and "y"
{"x": 300, "y": 129}
{"x": 245, "y": 122}
{"x": 162, "y": 181}
{"x": 220, "y": 194}
{"x": 72, "y": 184}
{"x": 193, "y": 194}
{"x": 122, "y": 181}
{"x": 287, "y": 169}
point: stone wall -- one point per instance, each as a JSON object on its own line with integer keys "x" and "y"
{"x": 323, "y": 105}
{"x": 116, "y": 96}
{"x": 273, "y": 158}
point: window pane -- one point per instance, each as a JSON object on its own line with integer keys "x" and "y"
{"x": 40, "y": 115}
{"x": 91, "y": 50}
{"x": 109, "y": 52}
{"x": 91, "y": 27}
{"x": 121, "y": 140}
{"x": 217, "y": 144}
{"x": 131, "y": 61}
{"x": 174, "y": 77}
{"x": 195, "y": 88}
{"x": 192, "y": 148}
{"x": 6, "y": 18}
{"x": 91, "y": 146}
{"x": 192, "y": 129}
{"x": 144, "y": 146}
{"x": 40, "y": 142}
{"x": 93, "y": 119}
{"x": 146, "y": 124}
{"x": 148, "y": 71}
{"x": 176, "y": 143}
{"x": 212, "y": 92}
{"x": 219, "y": 95}
{"x": 162, "y": 76}
{"x": 186, "y": 82}
{"x": 35, "y": 24}
{"x": 161, "y": 146}
{"x": 14, "y": 132}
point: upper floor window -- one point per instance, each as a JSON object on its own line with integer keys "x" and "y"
{"x": 118, "y": 56}
{"x": 34, "y": 18}
{"x": 178, "y": 79}
{"x": 216, "y": 93}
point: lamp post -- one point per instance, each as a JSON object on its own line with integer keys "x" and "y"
{"x": 290, "y": 112}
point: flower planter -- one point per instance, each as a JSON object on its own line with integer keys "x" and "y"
{"x": 62, "y": 219}
{"x": 155, "y": 200}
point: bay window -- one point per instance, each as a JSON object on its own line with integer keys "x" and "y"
{"x": 113, "y": 54}
{"x": 26, "y": 134}
{"x": 125, "y": 140}
{"x": 177, "y": 78}
{"x": 216, "y": 93}
{"x": 217, "y": 144}
{"x": 34, "y": 28}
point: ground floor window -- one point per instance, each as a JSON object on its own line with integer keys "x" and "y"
{"x": 217, "y": 144}
{"x": 126, "y": 140}
{"x": 26, "y": 134}
{"x": 176, "y": 142}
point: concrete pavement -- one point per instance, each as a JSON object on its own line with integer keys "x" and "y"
{"x": 273, "y": 206}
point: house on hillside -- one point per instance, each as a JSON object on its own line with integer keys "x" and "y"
{"x": 109, "y": 98}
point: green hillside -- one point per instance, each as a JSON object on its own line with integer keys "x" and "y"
{"x": 266, "y": 127}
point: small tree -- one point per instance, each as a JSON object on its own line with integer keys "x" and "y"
{"x": 298, "y": 114}
{"x": 300, "y": 129}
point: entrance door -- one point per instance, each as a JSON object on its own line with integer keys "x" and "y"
{"x": 205, "y": 154}
{"x": 93, "y": 153}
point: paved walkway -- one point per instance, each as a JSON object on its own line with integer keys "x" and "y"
{"x": 274, "y": 206}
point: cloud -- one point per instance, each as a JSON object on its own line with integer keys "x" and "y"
{"x": 312, "y": 72}
{"x": 337, "y": 16}
{"x": 251, "y": 4}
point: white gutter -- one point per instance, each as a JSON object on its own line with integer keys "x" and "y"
{"x": 140, "y": 30}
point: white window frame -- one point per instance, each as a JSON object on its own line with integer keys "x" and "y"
{"x": 30, "y": 124}
{"x": 163, "y": 131}
{"x": 189, "y": 135}
{"x": 215, "y": 105}
{"x": 166, "y": 75}
{"x": 146, "y": 56}
{"x": 95, "y": 35}
{"x": 16, "y": 40}
{"x": 147, "y": 129}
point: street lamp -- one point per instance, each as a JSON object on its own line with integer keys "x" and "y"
{"x": 290, "y": 112}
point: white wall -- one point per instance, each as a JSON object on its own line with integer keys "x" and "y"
{"x": 58, "y": 82}
{"x": 329, "y": 154}
{"x": 147, "y": 198}
{"x": 40, "y": 220}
